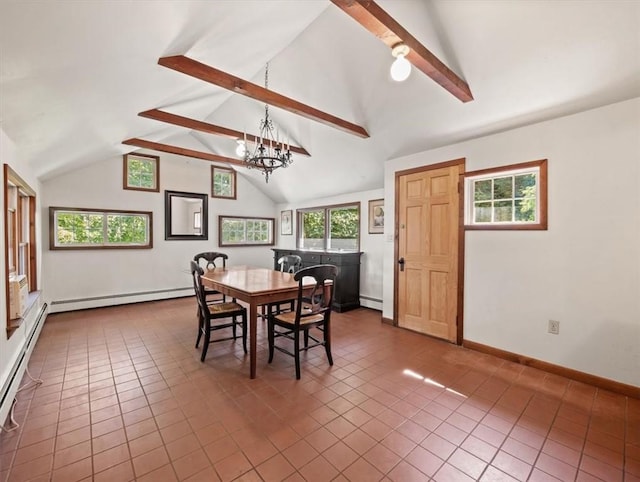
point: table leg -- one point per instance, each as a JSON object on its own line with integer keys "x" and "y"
{"x": 253, "y": 331}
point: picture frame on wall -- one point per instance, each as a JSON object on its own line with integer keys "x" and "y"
{"x": 286, "y": 224}
{"x": 376, "y": 216}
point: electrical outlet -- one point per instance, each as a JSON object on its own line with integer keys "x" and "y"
{"x": 554, "y": 327}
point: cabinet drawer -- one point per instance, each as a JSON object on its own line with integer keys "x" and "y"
{"x": 311, "y": 258}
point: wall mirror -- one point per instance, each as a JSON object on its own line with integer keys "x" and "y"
{"x": 185, "y": 216}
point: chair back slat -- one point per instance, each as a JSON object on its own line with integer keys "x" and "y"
{"x": 319, "y": 299}
{"x": 213, "y": 259}
{"x": 290, "y": 263}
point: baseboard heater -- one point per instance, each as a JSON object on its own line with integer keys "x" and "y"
{"x": 119, "y": 299}
{"x": 12, "y": 383}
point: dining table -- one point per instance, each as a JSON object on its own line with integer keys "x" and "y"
{"x": 256, "y": 287}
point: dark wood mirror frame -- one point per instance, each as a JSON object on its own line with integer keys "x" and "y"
{"x": 171, "y": 231}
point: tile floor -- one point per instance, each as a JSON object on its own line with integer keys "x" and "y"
{"x": 125, "y": 397}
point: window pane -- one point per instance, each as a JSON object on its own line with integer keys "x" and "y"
{"x": 525, "y": 185}
{"x": 482, "y": 190}
{"x": 503, "y": 211}
{"x": 313, "y": 229}
{"x": 141, "y": 173}
{"x": 482, "y": 212}
{"x": 344, "y": 228}
{"x": 223, "y": 182}
{"x": 503, "y": 188}
{"x": 126, "y": 229}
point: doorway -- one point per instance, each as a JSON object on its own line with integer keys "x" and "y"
{"x": 430, "y": 250}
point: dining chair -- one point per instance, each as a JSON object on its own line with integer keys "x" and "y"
{"x": 209, "y": 312}
{"x": 210, "y": 260}
{"x": 312, "y": 310}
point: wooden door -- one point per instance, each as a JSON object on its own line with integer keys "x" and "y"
{"x": 428, "y": 234}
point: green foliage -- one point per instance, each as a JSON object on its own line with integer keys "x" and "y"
{"x": 89, "y": 228}
{"x": 141, "y": 173}
{"x": 344, "y": 223}
{"x": 313, "y": 224}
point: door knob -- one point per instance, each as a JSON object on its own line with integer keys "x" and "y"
{"x": 401, "y": 263}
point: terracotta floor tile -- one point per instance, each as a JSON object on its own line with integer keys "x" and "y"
{"x": 73, "y": 472}
{"x": 405, "y": 472}
{"x": 319, "y": 470}
{"x": 111, "y": 457}
{"x": 340, "y": 456}
{"x": 275, "y": 469}
{"x": 72, "y": 454}
{"x": 156, "y": 412}
{"x": 162, "y": 474}
{"x": 122, "y": 473}
{"x": 145, "y": 463}
{"x": 191, "y": 464}
{"x": 424, "y": 461}
{"x": 382, "y": 458}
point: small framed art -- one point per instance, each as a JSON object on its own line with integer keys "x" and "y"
{"x": 286, "y": 226}
{"x": 376, "y": 216}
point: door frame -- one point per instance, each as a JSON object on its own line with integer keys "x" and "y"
{"x": 461, "y": 235}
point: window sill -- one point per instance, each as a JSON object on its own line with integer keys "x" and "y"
{"x": 14, "y": 324}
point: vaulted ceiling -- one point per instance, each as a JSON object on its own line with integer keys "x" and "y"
{"x": 74, "y": 75}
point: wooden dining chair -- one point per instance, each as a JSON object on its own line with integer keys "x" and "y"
{"x": 312, "y": 310}
{"x": 209, "y": 312}
{"x": 210, "y": 260}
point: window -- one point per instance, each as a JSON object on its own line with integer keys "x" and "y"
{"x": 242, "y": 231}
{"x": 75, "y": 228}
{"x": 223, "y": 182}
{"x": 509, "y": 197}
{"x": 141, "y": 172}
{"x": 20, "y": 248}
{"x": 330, "y": 227}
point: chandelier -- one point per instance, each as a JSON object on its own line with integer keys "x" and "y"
{"x": 270, "y": 152}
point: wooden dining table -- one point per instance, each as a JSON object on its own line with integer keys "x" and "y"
{"x": 256, "y": 287}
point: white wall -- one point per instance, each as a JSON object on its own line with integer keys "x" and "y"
{"x": 370, "y": 244}
{"x": 583, "y": 271}
{"x": 11, "y": 348}
{"x": 114, "y": 275}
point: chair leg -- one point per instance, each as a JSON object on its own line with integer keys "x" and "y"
{"x": 271, "y": 329}
{"x": 207, "y": 339}
{"x": 199, "y": 328}
{"x": 244, "y": 332}
{"x": 327, "y": 342}
{"x": 296, "y": 352}
{"x": 233, "y": 326}
{"x": 306, "y": 338}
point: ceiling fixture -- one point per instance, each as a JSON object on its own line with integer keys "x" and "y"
{"x": 400, "y": 68}
{"x": 270, "y": 152}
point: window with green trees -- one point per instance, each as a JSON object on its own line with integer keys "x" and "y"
{"x": 74, "y": 228}
{"x": 223, "y": 182}
{"x": 330, "y": 227}
{"x": 509, "y": 197}
{"x": 141, "y": 172}
{"x": 243, "y": 231}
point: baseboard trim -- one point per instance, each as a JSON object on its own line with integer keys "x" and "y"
{"x": 600, "y": 382}
{"x": 388, "y": 321}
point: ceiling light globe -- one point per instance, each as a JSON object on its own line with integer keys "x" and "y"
{"x": 400, "y": 69}
{"x": 241, "y": 148}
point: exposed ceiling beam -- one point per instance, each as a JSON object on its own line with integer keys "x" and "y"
{"x": 181, "y": 151}
{"x": 369, "y": 14}
{"x": 235, "y": 84}
{"x": 197, "y": 125}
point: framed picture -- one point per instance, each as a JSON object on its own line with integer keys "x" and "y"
{"x": 286, "y": 226}
{"x": 376, "y": 216}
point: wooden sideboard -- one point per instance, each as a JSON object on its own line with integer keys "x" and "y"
{"x": 347, "y": 293}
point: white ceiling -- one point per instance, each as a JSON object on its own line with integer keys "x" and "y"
{"x": 74, "y": 74}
